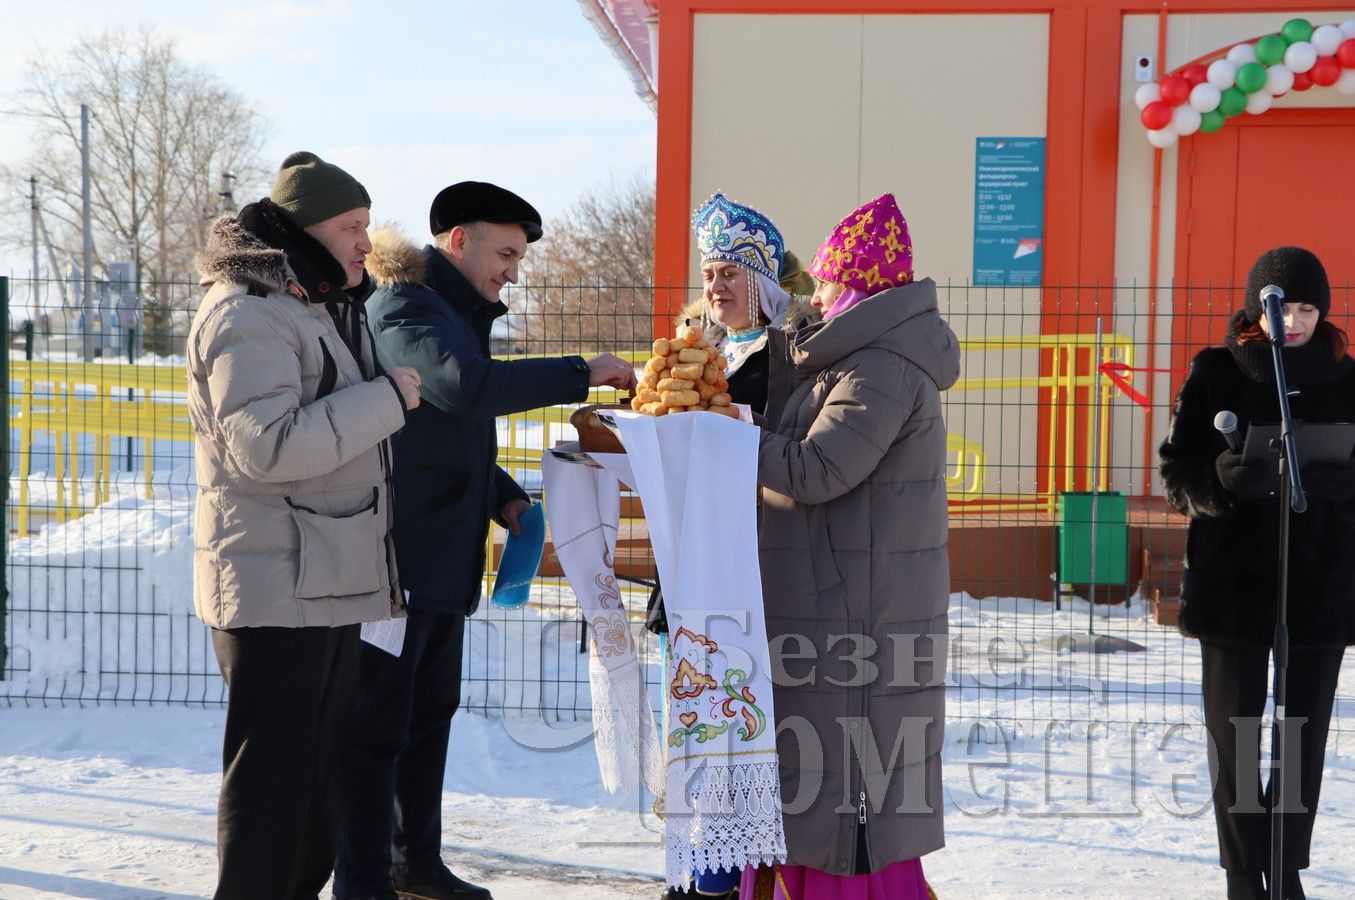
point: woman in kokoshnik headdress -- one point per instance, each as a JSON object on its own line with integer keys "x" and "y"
{"x": 852, "y": 541}
{"x": 745, "y": 275}
{"x": 743, "y": 261}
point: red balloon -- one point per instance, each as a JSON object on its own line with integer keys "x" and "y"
{"x": 1303, "y": 81}
{"x": 1156, "y": 115}
{"x": 1195, "y": 73}
{"x": 1325, "y": 71}
{"x": 1175, "y": 90}
{"x": 1345, "y": 54}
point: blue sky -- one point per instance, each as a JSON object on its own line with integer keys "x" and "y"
{"x": 408, "y": 95}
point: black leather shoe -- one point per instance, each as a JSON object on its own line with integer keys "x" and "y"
{"x": 383, "y": 895}
{"x": 437, "y": 885}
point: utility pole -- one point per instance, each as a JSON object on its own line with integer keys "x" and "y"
{"x": 227, "y": 192}
{"x": 88, "y": 253}
{"x": 33, "y": 214}
{"x": 225, "y": 198}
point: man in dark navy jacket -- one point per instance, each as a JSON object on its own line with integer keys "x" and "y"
{"x": 433, "y": 312}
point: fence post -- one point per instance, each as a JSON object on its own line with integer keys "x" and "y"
{"x": 4, "y": 466}
{"x": 131, "y": 360}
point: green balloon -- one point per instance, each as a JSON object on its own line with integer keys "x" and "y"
{"x": 1233, "y": 102}
{"x": 1212, "y": 121}
{"x": 1270, "y": 49}
{"x": 1296, "y": 30}
{"x": 1251, "y": 77}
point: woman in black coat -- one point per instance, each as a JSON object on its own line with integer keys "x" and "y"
{"x": 1229, "y": 587}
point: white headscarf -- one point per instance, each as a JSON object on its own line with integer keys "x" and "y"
{"x": 769, "y": 295}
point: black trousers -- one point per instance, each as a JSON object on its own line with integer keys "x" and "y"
{"x": 1235, "y": 689}
{"x": 289, "y": 729}
{"x": 405, "y": 709}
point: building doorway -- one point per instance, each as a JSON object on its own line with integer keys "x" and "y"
{"x": 1283, "y": 177}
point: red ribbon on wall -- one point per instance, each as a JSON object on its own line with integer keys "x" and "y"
{"x": 1119, "y": 375}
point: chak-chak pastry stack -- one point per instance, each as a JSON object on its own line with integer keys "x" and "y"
{"x": 684, "y": 374}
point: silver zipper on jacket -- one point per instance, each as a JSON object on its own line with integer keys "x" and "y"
{"x": 861, "y": 809}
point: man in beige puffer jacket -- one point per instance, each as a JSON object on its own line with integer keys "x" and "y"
{"x": 292, "y": 543}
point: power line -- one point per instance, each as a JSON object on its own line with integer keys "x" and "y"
{"x": 25, "y": 114}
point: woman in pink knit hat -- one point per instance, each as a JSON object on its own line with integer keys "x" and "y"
{"x": 855, "y": 574}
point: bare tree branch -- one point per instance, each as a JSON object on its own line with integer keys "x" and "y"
{"x": 162, "y": 134}
{"x": 589, "y": 281}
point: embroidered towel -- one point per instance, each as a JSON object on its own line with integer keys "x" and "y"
{"x": 697, "y": 478}
{"x": 583, "y": 507}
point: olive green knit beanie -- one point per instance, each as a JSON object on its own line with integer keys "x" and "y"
{"x": 311, "y": 190}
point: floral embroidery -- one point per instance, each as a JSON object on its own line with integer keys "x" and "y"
{"x": 869, "y": 250}
{"x": 711, "y": 646}
{"x": 610, "y": 636}
{"x": 609, "y": 595}
{"x": 703, "y": 733}
{"x": 689, "y": 683}
{"x": 754, "y": 721}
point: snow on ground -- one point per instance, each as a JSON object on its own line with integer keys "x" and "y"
{"x": 118, "y": 802}
{"x": 1067, "y": 774}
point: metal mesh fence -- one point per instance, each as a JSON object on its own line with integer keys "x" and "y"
{"x": 1064, "y": 395}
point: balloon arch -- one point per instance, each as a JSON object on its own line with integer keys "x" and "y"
{"x": 1204, "y": 93}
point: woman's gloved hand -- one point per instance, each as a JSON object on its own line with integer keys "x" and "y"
{"x": 1247, "y": 480}
{"x": 1330, "y": 481}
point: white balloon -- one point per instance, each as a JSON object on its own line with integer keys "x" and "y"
{"x": 1185, "y": 120}
{"x": 1241, "y": 54}
{"x": 1204, "y": 97}
{"x": 1259, "y": 102}
{"x": 1279, "y": 80}
{"x": 1147, "y": 93}
{"x": 1346, "y": 83}
{"x": 1222, "y": 74}
{"x": 1162, "y": 138}
{"x": 1348, "y": 28}
{"x": 1325, "y": 39}
{"x": 1300, "y": 56}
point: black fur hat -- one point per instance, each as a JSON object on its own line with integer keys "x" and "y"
{"x": 1297, "y": 272}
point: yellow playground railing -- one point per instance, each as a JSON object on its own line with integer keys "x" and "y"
{"x": 69, "y": 401}
{"x": 1070, "y": 387}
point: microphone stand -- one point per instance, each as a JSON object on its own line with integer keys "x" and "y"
{"x": 1291, "y": 499}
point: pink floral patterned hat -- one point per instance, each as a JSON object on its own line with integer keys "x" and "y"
{"x": 869, "y": 251}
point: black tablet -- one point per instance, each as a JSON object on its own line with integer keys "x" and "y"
{"x": 1316, "y": 442}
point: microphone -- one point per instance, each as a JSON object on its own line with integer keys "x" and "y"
{"x": 1226, "y": 423}
{"x": 1272, "y": 300}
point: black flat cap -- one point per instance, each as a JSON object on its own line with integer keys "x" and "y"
{"x": 480, "y": 201}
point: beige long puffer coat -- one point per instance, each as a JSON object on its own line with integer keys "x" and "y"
{"x": 292, "y": 525}
{"x": 856, "y": 580}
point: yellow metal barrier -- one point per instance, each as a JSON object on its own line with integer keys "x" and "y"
{"x": 1072, "y": 370}
{"x": 67, "y": 400}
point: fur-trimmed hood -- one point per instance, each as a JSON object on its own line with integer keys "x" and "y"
{"x": 264, "y": 250}
{"x": 395, "y": 259}
{"x": 236, "y": 255}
